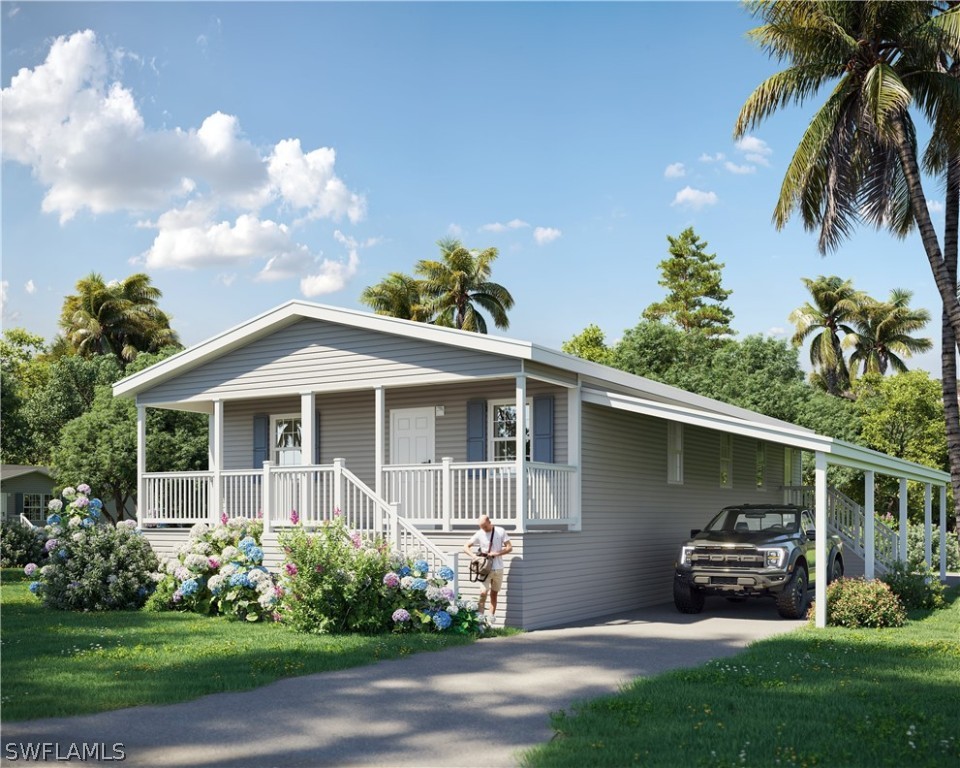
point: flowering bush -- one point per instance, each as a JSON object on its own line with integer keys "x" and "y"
{"x": 863, "y": 603}
{"x": 91, "y": 567}
{"x": 20, "y": 544}
{"x": 916, "y": 587}
{"x": 219, "y": 570}
{"x": 335, "y": 580}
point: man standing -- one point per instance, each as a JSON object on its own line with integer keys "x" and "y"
{"x": 492, "y": 542}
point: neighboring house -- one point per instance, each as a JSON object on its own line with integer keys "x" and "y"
{"x": 25, "y": 490}
{"x": 412, "y": 431}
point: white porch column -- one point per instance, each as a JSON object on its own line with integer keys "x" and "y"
{"x": 380, "y": 409}
{"x": 141, "y": 462}
{"x": 903, "y": 519}
{"x": 943, "y": 533}
{"x": 928, "y": 525}
{"x": 215, "y": 461}
{"x": 308, "y": 420}
{"x": 869, "y": 538}
{"x": 573, "y": 454}
{"x": 820, "y": 497}
{"x": 521, "y": 439}
{"x": 267, "y": 496}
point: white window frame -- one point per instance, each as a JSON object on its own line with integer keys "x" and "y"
{"x": 674, "y": 453}
{"x": 726, "y": 460}
{"x": 761, "y": 465}
{"x": 493, "y": 440}
{"x": 274, "y": 448}
{"x": 39, "y": 508}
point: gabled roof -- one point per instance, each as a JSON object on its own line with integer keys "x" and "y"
{"x": 10, "y": 471}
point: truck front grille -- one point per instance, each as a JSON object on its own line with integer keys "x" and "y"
{"x": 726, "y": 558}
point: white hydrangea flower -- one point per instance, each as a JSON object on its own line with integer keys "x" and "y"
{"x": 55, "y": 505}
{"x": 78, "y": 536}
{"x": 196, "y": 562}
{"x": 452, "y": 609}
{"x": 229, "y": 553}
{"x": 183, "y": 549}
{"x": 405, "y": 582}
{"x": 171, "y": 565}
{"x": 228, "y": 570}
{"x": 258, "y": 577}
{"x": 221, "y": 534}
{"x": 201, "y": 548}
{"x": 198, "y": 530}
{"x": 216, "y": 582}
{"x": 267, "y": 600}
{"x": 74, "y": 522}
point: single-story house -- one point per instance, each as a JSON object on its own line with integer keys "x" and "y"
{"x": 25, "y": 490}
{"x": 412, "y": 431}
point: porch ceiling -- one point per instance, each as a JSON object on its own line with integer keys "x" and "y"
{"x": 837, "y": 451}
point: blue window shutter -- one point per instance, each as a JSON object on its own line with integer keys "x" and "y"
{"x": 543, "y": 428}
{"x": 316, "y": 437}
{"x": 18, "y": 505}
{"x": 476, "y": 430}
{"x": 261, "y": 440}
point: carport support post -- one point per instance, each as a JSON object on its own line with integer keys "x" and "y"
{"x": 141, "y": 461}
{"x": 943, "y": 533}
{"x": 820, "y": 497}
{"x": 903, "y": 519}
{"x": 928, "y": 525}
{"x": 215, "y": 461}
{"x": 869, "y": 538}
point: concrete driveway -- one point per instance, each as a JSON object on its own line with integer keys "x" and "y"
{"x": 470, "y": 706}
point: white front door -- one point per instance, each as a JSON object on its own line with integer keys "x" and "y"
{"x": 412, "y": 442}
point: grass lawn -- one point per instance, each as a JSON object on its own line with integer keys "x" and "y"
{"x": 59, "y": 663}
{"x": 834, "y": 697}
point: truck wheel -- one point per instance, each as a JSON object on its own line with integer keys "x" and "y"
{"x": 687, "y": 599}
{"x": 792, "y": 601}
{"x": 836, "y": 570}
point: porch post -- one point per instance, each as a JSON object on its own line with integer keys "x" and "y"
{"x": 521, "y": 438}
{"x": 446, "y": 491}
{"x": 380, "y": 414}
{"x": 573, "y": 453}
{"x": 141, "y": 462}
{"x": 943, "y": 533}
{"x": 903, "y": 519}
{"x": 869, "y": 538}
{"x": 928, "y": 525}
{"x": 338, "y": 486}
{"x": 267, "y": 496}
{"x": 820, "y": 495}
{"x": 216, "y": 461}
{"x": 308, "y": 438}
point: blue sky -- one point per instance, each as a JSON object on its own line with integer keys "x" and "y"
{"x": 245, "y": 154}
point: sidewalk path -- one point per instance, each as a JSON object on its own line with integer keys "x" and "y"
{"x": 478, "y": 705}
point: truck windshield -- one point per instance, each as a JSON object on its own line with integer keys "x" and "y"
{"x": 756, "y": 521}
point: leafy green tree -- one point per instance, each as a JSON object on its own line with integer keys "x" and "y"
{"x": 695, "y": 298}
{"x": 18, "y": 351}
{"x": 119, "y": 318}
{"x": 458, "y": 286}
{"x": 397, "y": 295}
{"x": 834, "y": 307}
{"x": 589, "y": 344}
{"x": 883, "y": 333}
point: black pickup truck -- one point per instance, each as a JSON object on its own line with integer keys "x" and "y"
{"x": 753, "y": 550}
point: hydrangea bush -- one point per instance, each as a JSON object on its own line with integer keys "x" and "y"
{"x": 91, "y": 566}
{"x": 916, "y": 586}
{"x": 219, "y": 570}
{"x": 335, "y": 580}
{"x": 20, "y": 544}
{"x": 863, "y": 603}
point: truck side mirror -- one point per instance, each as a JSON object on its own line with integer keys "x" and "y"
{"x": 694, "y": 532}
{"x": 811, "y": 534}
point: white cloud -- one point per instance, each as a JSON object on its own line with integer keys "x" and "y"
{"x": 498, "y": 227}
{"x": 4, "y": 285}
{"x": 739, "y": 169}
{"x": 544, "y": 235}
{"x": 227, "y": 278}
{"x": 30, "y": 287}
{"x": 776, "y": 331}
{"x": 694, "y": 198}
{"x": 8, "y": 316}
{"x": 708, "y": 158}
{"x": 675, "y": 171}
{"x": 454, "y": 230}
{"x": 85, "y": 141}
{"x": 935, "y": 206}
{"x": 332, "y": 276}
{"x": 756, "y": 150}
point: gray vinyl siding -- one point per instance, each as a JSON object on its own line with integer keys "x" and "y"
{"x": 312, "y": 355}
{"x": 633, "y": 521}
{"x": 33, "y": 483}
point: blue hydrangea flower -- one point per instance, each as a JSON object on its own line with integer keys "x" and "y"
{"x": 419, "y": 584}
{"x": 404, "y": 571}
{"x": 240, "y": 580}
{"x": 53, "y": 519}
{"x": 446, "y": 573}
{"x": 62, "y": 554}
{"x": 86, "y": 522}
{"x": 254, "y": 554}
{"x": 34, "y": 586}
{"x": 96, "y": 504}
{"x": 421, "y": 565}
{"x": 442, "y": 620}
{"x": 189, "y": 587}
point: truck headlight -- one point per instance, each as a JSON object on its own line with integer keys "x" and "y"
{"x": 773, "y": 558}
{"x": 685, "y": 555}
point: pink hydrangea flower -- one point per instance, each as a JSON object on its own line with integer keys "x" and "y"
{"x": 224, "y": 518}
{"x": 291, "y": 569}
{"x": 294, "y": 517}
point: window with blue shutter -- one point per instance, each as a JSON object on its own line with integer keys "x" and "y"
{"x": 316, "y": 437}
{"x": 543, "y": 428}
{"x": 261, "y": 440}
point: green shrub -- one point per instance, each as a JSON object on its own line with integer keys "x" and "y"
{"x": 20, "y": 544}
{"x": 92, "y": 566}
{"x": 915, "y": 548}
{"x": 916, "y": 587}
{"x": 864, "y": 603}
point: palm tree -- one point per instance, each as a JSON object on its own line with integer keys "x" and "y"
{"x": 457, "y": 286}
{"x": 883, "y": 333}
{"x": 118, "y": 318}
{"x": 397, "y": 295}
{"x": 833, "y": 310}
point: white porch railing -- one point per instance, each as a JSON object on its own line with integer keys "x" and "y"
{"x": 450, "y": 493}
{"x": 846, "y": 517}
{"x": 171, "y": 498}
